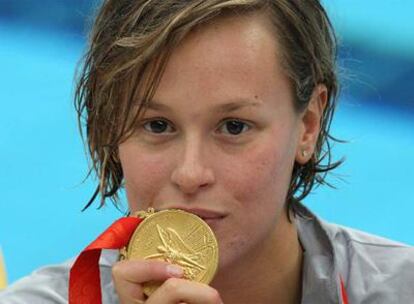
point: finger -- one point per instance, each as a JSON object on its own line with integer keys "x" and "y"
{"x": 128, "y": 277}
{"x": 175, "y": 290}
{"x": 128, "y": 292}
{"x": 140, "y": 271}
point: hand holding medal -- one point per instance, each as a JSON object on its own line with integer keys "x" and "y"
{"x": 176, "y": 237}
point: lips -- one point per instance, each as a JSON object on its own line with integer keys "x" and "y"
{"x": 205, "y": 214}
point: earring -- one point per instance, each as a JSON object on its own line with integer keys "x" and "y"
{"x": 304, "y": 153}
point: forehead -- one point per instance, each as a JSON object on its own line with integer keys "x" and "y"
{"x": 233, "y": 52}
{"x": 243, "y": 36}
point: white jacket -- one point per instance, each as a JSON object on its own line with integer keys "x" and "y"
{"x": 374, "y": 270}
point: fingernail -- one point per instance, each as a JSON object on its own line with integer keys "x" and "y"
{"x": 174, "y": 271}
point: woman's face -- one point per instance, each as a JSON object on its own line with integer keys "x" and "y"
{"x": 220, "y": 136}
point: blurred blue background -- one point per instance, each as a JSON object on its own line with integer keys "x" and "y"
{"x": 43, "y": 161}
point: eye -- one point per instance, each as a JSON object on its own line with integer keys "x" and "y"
{"x": 233, "y": 127}
{"x": 158, "y": 126}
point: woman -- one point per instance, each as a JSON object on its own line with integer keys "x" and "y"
{"x": 222, "y": 109}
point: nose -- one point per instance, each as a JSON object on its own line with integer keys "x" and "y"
{"x": 191, "y": 173}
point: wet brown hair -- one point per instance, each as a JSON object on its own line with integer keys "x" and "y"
{"x": 130, "y": 44}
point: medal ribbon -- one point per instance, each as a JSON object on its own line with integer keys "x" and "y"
{"x": 84, "y": 276}
{"x": 343, "y": 292}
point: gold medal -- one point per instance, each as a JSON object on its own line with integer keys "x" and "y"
{"x": 176, "y": 237}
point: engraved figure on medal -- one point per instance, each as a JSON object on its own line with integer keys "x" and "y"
{"x": 176, "y": 237}
{"x": 175, "y": 250}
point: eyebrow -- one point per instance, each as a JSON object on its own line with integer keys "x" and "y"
{"x": 230, "y": 106}
{"x": 235, "y": 105}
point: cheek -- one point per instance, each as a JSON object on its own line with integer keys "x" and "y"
{"x": 257, "y": 183}
{"x": 143, "y": 174}
{"x": 260, "y": 175}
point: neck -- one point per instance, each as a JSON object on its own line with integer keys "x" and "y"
{"x": 271, "y": 274}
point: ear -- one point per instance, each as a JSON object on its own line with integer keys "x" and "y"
{"x": 311, "y": 124}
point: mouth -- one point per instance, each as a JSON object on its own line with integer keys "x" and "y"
{"x": 213, "y": 222}
{"x": 211, "y": 217}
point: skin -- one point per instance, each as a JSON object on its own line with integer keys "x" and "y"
{"x": 227, "y": 70}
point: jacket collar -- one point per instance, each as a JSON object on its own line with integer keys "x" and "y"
{"x": 321, "y": 282}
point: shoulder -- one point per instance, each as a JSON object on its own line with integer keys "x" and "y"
{"x": 356, "y": 245}
{"x": 45, "y": 285}
{"x": 50, "y": 284}
{"x": 372, "y": 267}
